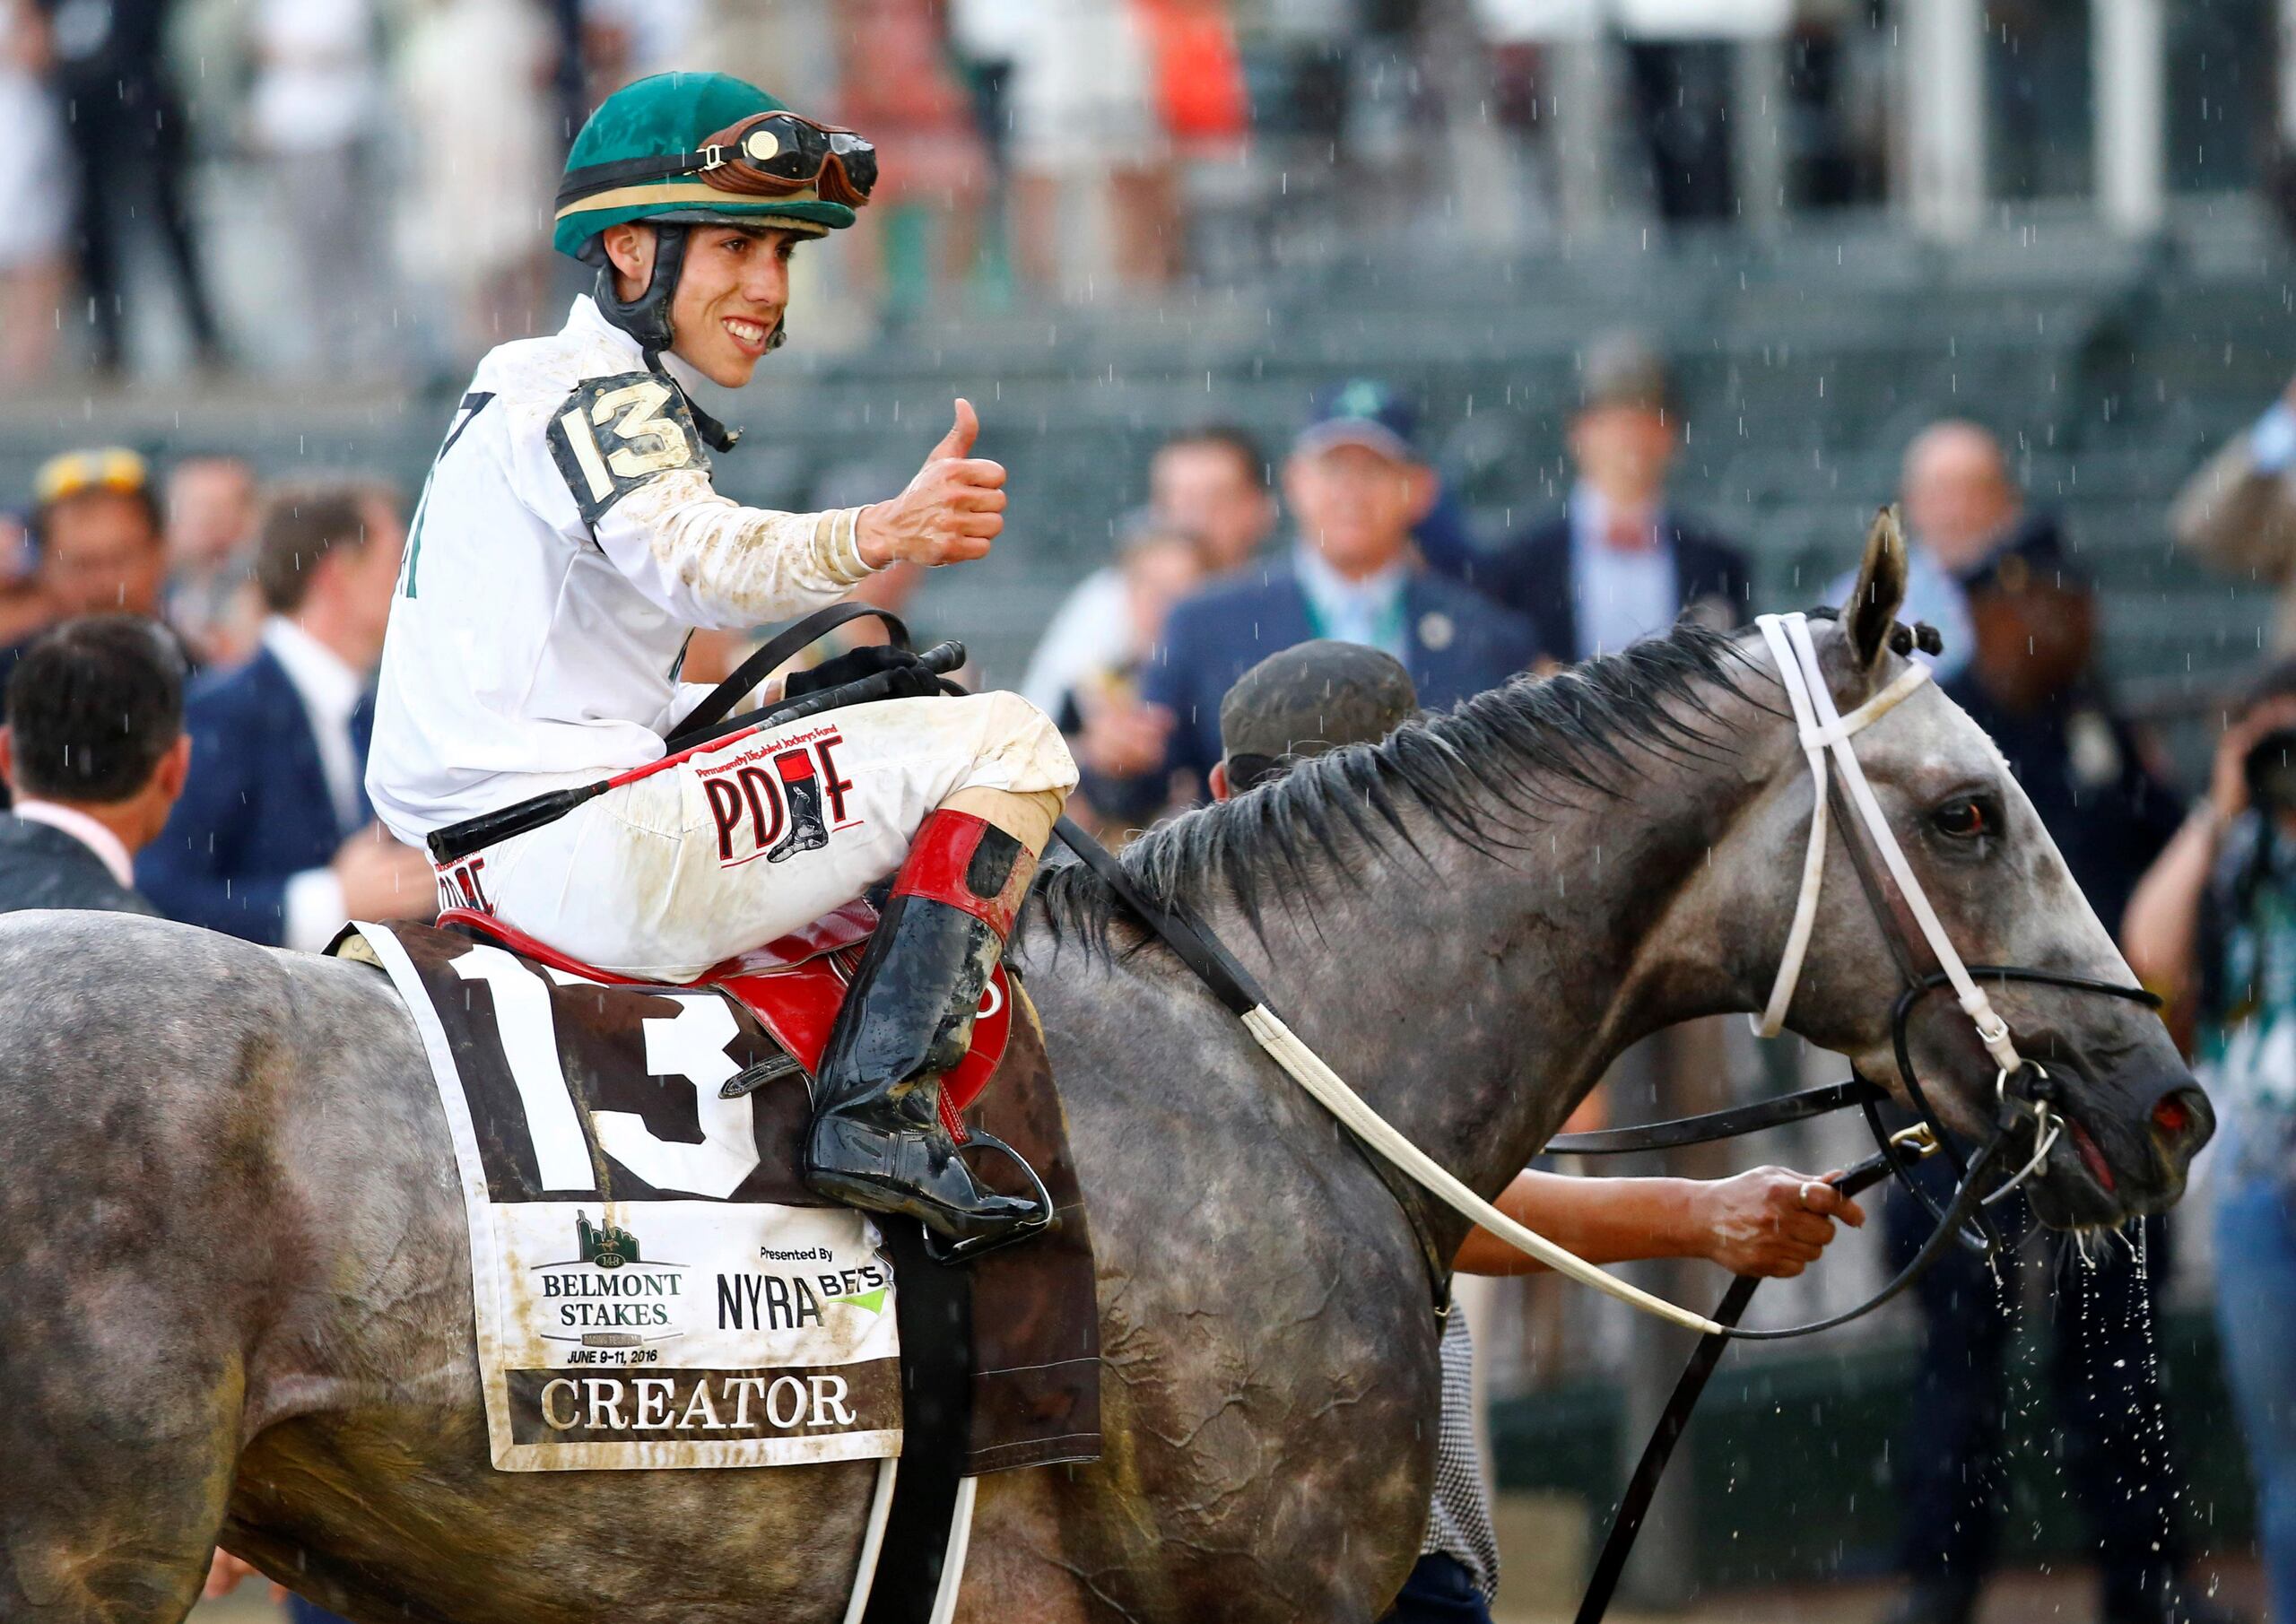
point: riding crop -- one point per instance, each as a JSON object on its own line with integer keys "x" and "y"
{"x": 459, "y": 840}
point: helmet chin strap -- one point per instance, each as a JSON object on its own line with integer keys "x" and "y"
{"x": 647, "y": 317}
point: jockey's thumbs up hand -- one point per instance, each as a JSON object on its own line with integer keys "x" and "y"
{"x": 951, "y": 510}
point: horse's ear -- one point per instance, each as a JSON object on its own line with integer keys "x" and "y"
{"x": 1875, "y": 601}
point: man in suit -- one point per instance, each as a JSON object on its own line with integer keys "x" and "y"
{"x": 95, "y": 754}
{"x": 1355, "y": 486}
{"x": 274, "y": 839}
{"x": 1618, "y": 564}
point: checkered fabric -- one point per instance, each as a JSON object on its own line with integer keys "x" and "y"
{"x": 1458, "y": 1522}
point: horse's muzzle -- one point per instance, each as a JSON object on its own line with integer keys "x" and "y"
{"x": 2128, "y": 1161}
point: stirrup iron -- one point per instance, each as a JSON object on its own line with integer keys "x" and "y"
{"x": 949, "y": 1254}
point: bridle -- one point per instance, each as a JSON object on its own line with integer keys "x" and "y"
{"x": 1909, "y": 923}
{"x": 2024, "y": 1094}
{"x": 1927, "y": 963}
{"x": 1917, "y": 938}
{"x": 1925, "y": 956}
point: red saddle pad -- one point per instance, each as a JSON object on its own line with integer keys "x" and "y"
{"x": 794, "y": 986}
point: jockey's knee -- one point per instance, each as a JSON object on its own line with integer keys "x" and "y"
{"x": 1021, "y": 739}
{"x": 1022, "y": 772}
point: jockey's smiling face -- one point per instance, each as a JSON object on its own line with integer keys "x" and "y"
{"x": 731, "y": 294}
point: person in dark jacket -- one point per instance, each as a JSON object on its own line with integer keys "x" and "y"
{"x": 1619, "y": 564}
{"x": 1355, "y": 486}
{"x": 2027, "y": 683}
{"x": 274, "y": 839}
{"x": 95, "y": 754}
{"x": 125, "y": 126}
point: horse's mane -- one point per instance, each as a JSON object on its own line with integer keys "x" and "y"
{"x": 1479, "y": 773}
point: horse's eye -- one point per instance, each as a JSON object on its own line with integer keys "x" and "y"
{"x": 1963, "y": 819}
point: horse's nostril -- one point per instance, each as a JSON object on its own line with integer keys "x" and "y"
{"x": 2183, "y": 1117}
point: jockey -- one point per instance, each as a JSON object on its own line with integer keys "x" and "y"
{"x": 568, "y": 541}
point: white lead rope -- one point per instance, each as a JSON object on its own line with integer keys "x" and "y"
{"x": 1331, "y": 1091}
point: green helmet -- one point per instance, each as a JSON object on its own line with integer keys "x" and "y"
{"x": 626, "y": 163}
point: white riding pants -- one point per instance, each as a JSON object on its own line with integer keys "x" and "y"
{"x": 666, "y": 876}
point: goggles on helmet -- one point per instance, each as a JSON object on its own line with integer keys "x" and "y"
{"x": 775, "y": 154}
{"x": 765, "y": 155}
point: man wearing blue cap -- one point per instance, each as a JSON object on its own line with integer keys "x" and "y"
{"x": 1355, "y": 487}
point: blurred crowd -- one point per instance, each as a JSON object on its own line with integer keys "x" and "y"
{"x": 270, "y": 605}
{"x": 187, "y": 659}
{"x": 362, "y": 185}
{"x": 390, "y": 154}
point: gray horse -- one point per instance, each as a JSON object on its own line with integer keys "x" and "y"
{"x": 231, "y": 1243}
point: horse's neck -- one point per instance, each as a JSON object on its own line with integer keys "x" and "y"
{"x": 1474, "y": 1005}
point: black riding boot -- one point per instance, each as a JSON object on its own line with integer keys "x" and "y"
{"x": 876, "y": 1141}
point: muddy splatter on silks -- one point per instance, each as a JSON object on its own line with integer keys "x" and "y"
{"x": 651, "y": 1285}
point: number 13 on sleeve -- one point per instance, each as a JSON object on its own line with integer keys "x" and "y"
{"x": 614, "y": 434}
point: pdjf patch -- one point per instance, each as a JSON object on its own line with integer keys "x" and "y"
{"x": 777, "y": 799}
